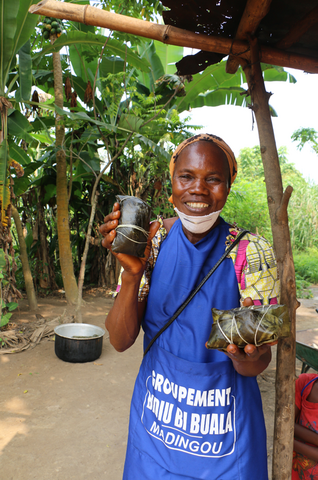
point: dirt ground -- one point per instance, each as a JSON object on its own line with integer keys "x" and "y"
{"x": 63, "y": 421}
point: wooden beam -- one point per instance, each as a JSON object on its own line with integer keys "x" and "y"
{"x": 170, "y": 35}
{"x": 298, "y": 30}
{"x": 277, "y": 205}
{"x": 254, "y": 12}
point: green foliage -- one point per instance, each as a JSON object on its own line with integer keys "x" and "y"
{"x": 306, "y": 264}
{"x": 247, "y": 203}
{"x": 124, "y": 109}
{"x": 25, "y": 71}
{"x": 2, "y": 260}
{"x": 250, "y": 164}
{"x": 303, "y": 214}
{"x": 306, "y": 135}
{"x": 247, "y": 206}
{"x": 16, "y": 26}
{"x": 214, "y": 87}
{"x": 273, "y": 73}
{"x": 302, "y": 287}
{"x": 145, "y": 9}
{"x": 5, "y": 194}
{"x": 306, "y": 270}
{"x": 5, "y": 307}
{"x": 95, "y": 42}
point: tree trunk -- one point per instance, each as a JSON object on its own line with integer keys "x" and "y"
{"x": 78, "y": 243}
{"x": 110, "y": 269}
{"x": 44, "y": 279}
{"x": 81, "y": 276}
{"x": 46, "y": 270}
{"x": 9, "y": 292}
{"x": 102, "y": 281}
{"x": 63, "y": 228}
{"x": 28, "y": 280}
{"x": 277, "y": 204}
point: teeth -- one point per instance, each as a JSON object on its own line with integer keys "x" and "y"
{"x": 197, "y": 205}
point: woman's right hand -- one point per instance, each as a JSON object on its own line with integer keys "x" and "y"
{"x": 133, "y": 266}
{"x": 107, "y": 229}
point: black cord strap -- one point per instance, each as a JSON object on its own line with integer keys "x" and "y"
{"x": 195, "y": 291}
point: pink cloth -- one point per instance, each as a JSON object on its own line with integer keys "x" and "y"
{"x": 303, "y": 467}
{"x": 240, "y": 264}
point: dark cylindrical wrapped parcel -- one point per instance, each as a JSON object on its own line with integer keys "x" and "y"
{"x": 133, "y": 226}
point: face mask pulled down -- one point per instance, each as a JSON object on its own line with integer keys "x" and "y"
{"x": 198, "y": 224}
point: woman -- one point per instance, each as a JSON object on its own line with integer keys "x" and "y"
{"x": 305, "y": 458}
{"x": 195, "y": 413}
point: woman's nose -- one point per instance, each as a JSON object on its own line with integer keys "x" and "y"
{"x": 198, "y": 186}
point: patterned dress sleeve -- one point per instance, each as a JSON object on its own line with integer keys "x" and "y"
{"x": 256, "y": 268}
{"x": 145, "y": 281}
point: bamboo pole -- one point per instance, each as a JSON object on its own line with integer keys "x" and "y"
{"x": 277, "y": 204}
{"x": 170, "y": 35}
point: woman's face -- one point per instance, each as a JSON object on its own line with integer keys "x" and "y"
{"x": 201, "y": 180}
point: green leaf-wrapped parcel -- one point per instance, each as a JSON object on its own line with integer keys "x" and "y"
{"x": 254, "y": 325}
{"x": 133, "y": 226}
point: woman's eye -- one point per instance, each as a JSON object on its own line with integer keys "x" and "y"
{"x": 213, "y": 179}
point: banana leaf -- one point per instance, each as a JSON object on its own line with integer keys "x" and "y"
{"x": 254, "y": 325}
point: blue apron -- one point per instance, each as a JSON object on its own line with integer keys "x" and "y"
{"x": 192, "y": 416}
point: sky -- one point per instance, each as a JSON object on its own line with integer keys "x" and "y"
{"x": 296, "y": 106}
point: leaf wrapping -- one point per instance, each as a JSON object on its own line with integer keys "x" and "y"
{"x": 254, "y": 325}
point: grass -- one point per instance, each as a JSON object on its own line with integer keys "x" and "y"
{"x": 306, "y": 270}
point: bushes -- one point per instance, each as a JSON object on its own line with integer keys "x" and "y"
{"x": 247, "y": 206}
{"x": 303, "y": 215}
{"x": 306, "y": 269}
{"x": 302, "y": 287}
{"x": 306, "y": 264}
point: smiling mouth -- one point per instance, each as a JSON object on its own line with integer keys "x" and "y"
{"x": 197, "y": 205}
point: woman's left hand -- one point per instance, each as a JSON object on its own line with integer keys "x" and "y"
{"x": 251, "y": 360}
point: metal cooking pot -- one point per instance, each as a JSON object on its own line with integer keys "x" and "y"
{"x": 78, "y": 342}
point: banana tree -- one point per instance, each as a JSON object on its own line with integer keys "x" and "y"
{"x": 211, "y": 88}
{"x": 77, "y": 40}
{"x": 113, "y": 119}
{"x": 214, "y": 87}
{"x": 16, "y": 26}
